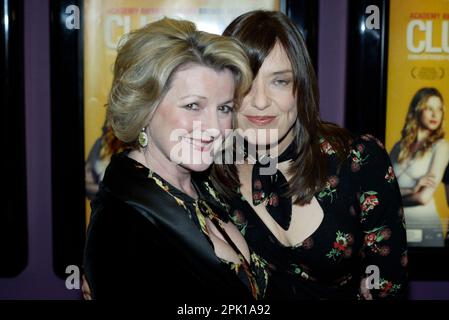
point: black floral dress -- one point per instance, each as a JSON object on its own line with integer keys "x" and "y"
{"x": 254, "y": 274}
{"x": 363, "y": 231}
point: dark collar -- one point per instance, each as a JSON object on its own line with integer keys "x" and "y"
{"x": 128, "y": 180}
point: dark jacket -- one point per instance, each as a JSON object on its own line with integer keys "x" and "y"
{"x": 142, "y": 244}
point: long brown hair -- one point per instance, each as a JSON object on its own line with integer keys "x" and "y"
{"x": 259, "y": 31}
{"x": 412, "y": 124}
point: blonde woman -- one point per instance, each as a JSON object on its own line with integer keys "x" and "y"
{"x": 152, "y": 234}
{"x": 419, "y": 160}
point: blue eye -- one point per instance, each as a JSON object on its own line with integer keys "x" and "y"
{"x": 225, "y": 109}
{"x": 191, "y": 106}
{"x": 282, "y": 82}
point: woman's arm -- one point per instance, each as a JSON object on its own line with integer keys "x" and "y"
{"x": 382, "y": 223}
{"x": 427, "y": 186}
{"x": 115, "y": 264}
{"x": 394, "y": 154}
{"x": 426, "y": 181}
{"x": 129, "y": 257}
{"x": 407, "y": 191}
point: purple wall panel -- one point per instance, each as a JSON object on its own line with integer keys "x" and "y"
{"x": 332, "y": 59}
{"x": 38, "y": 280}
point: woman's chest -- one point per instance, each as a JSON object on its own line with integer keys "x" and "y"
{"x": 412, "y": 170}
{"x": 324, "y": 234}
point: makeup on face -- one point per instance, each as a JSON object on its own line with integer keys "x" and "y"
{"x": 271, "y": 103}
{"x": 432, "y": 113}
{"x": 193, "y": 115}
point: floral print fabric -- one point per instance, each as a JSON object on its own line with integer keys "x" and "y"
{"x": 254, "y": 275}
{"x": 363, "y": 226}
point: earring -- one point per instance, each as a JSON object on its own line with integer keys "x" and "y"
{"x": 143, "y": 138}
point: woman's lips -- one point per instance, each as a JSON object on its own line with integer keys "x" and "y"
{"x": 261, "y": 120}
{"x": 201, "y": 145}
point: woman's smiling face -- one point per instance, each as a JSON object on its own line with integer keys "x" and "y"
{"x": 193, "y": 116}
{"x": 271, "y": 102}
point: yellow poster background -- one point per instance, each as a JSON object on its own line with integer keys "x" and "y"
{"x": 409, "y": 71}
{"x": 105, "y": 21}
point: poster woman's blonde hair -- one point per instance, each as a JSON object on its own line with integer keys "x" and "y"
{"x": 412, "y": 124}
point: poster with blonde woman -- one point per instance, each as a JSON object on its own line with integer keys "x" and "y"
{"x": 420, "y": 159}
{"x": 417, "y": 121}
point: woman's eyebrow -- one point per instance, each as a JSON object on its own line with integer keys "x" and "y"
{"x": 282, "y": 72}
{"x": 226, "y": 102}
{"x": 193, "y": 95}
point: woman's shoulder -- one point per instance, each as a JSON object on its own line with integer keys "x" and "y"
{"x": 367, "y": 140}
{"x": 366, "y": 151}
{"x": 333, "y": 139}
{"x": 441, "y": 145}
{"x": 441, "y": 151}
{"x": 367, "y": 144}
{"x": 129, "y": 179}
{"x": 355, "y": 145}
{"x": 129, "y": 192}
{"x": 109, "y": 209}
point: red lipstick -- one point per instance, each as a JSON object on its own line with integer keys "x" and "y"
{"x": 261, "y": 120}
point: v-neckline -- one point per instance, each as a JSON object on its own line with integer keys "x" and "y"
{"x": 270, "y": 233}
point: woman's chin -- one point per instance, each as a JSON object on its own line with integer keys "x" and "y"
{"x": 260, "y": 137}
{"x": 197, "y": 167}
{"x": 263, "y": 142}
{"x": 198, "y": 161}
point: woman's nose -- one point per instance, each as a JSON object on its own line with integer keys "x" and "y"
{"x": 260, "y": 99}
{"x": 210, "y": 122}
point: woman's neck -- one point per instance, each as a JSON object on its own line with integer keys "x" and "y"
{"x": 273, "y": 151}
{"x": 288, "y": 139}
{"x": 422, "y": 135}
{"x": 153, "y": 158}
{"x": 277, "y": 149}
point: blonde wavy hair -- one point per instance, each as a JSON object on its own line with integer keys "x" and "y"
{"x": 412, "y": 124}
{"x": 149, "y": 57}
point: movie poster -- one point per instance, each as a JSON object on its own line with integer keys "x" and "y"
{"x": 417, "y": 130}
{"x": 105, "y": 21}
